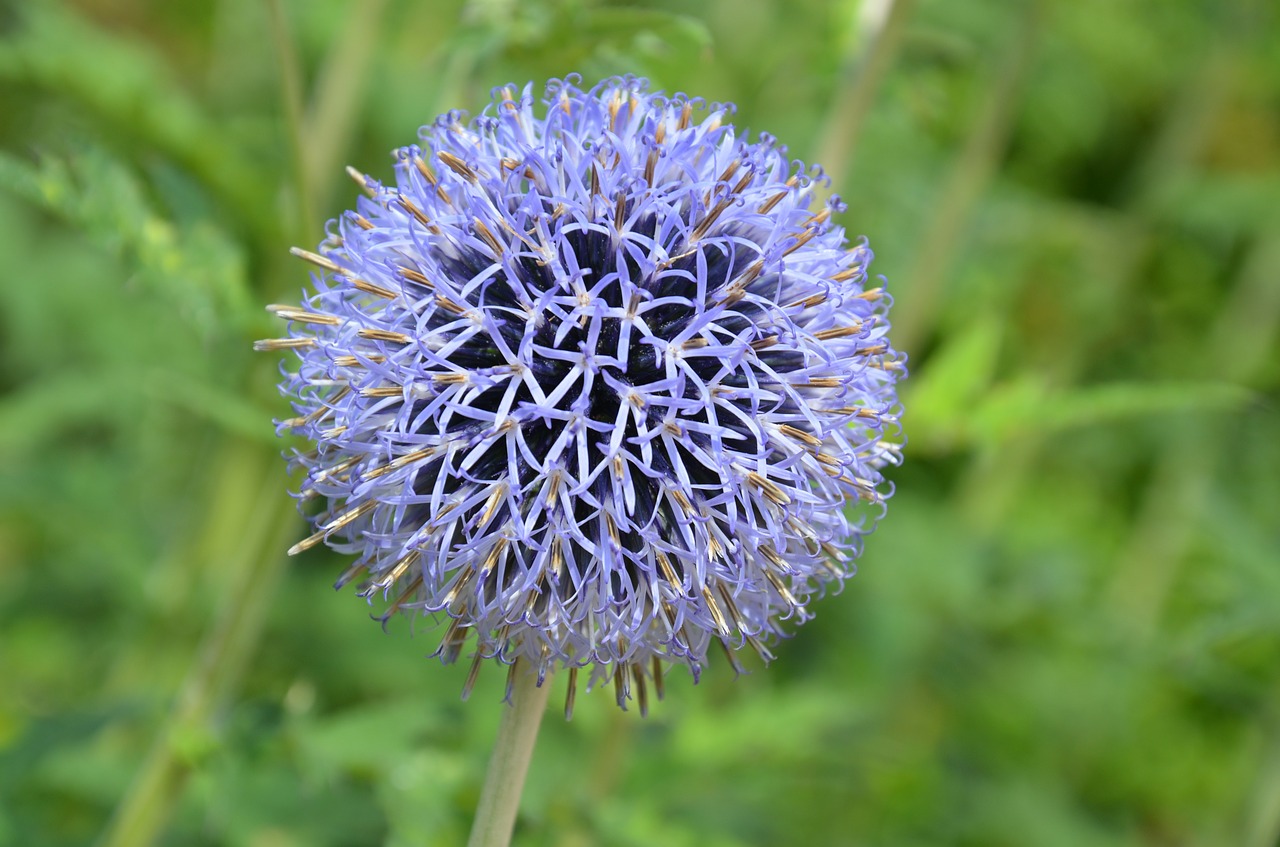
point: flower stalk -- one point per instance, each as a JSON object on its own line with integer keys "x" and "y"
{"x": 512, "y": 750}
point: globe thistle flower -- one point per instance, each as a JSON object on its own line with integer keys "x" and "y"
{"x": 597, "y": 385}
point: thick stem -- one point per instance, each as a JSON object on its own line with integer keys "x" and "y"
{"x": 500, "y": 797}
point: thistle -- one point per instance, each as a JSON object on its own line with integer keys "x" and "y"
{"x": 598, "y": 386}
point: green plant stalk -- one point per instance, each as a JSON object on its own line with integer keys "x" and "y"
{"x": 970, "y": 174}
{"x": 865, "y": 68}
{"x": 295, "y": 120}
{"x": 997, "y": 476}
{"x": 330, "y": 123}
{"x": 146, "y": 807}
{"x": 512, "y": 750}
{"x": 1179, "y": 490}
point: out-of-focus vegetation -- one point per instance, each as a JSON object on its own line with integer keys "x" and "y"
{"x": 1066, "y": 632}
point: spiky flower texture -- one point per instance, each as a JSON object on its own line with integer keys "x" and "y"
{"x": 598, "y": 385}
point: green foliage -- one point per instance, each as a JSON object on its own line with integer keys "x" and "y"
{"x": 1065, "y": 632}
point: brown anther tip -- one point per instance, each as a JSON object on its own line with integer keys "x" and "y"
{"x": 449, "y": 306}
{"x": 267, "y": 345}
{"x": 769, "y": 488}
{"x": 424, "y": 169}
{"x": 383, "y": 391}
{"x": 416, "y": 276}
{"x": 292, "y": 313}
{"x": 686, "y": 112}
{"x": 732, "y": 295}
{"x": 298, "y": 548}
{"x": 316, "y": 259}
{"x": 361, "y": 180}
{"x": 620, "y": 211}
{"x": 800, "y": 435}
{"x": 808, "y": 302}
{"x": 487, "y": 236}
{"x": 458, "y": 166}
{"x": 767, "y": 206}
{"x": 750, "y": 275}
{"x": 375, "y": 290}
{"x": 384, "y": 335}
{"x": 412, "y": 208}
{"x": 838, "y": 332}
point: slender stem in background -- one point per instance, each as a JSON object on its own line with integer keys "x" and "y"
{"x": 512, "y": 750}
{"x": 997, "y": 476}
{"x": 295, "y": 120}
{"x": 330, "y": 123}
{"x": 969, "y": 176}
{"x": 872, "y": 52}
{"x": 1167, "y": 521}
{"x": 1261, "y": 824}
{"x": 259, "y": 565}
{"x": 611, "y": 749}
{"x": 146, "y": 807}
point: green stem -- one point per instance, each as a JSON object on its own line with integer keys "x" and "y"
{"x": 870, "y": 58}
{"x": 291, "y": 96}
{"x": 142, "y": 813}
{"x": 513, "y": 748}
{"x": 973, "y": 169}
{"x": 332, "y": 121}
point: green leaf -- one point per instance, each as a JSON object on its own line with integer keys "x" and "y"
{"x": 1026, "y": 405}
{"x": 129, "y": 89}
{"x": 195, "y": 266}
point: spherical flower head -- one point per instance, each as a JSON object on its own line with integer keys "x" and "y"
{"x": 594, "y": 382}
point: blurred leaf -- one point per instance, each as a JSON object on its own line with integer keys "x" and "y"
{"x": 366, "y": 739}
{"x": 125, "y": 86}
{"x": 940, "y": 401}
{"x": 1025, "y": 406}
{"x": 196, "y": 267}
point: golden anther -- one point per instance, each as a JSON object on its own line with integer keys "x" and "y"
{"x": 458, "y": 166}
{"x": 291, "y": 313}
{"x": 449, "y": 306}
{"x": 384, "y": 335}
{"x": 353, "y": 362}
{"x": 769, "y": 488}
{"x": 416, "y": 276}
{"x": 317, "y": 260}
{"x": 362, "y": 181}
{"x": 800, "y": 435}
{"x": 418, "y": 215}
{"x": 375, "y": 290}
{"x": 269, "y": 344}
{"x": 383, "y": 391}
{"x": 717, "y": 616}
{"x": 839, "y": 332}
{"x": 424, "y": 169}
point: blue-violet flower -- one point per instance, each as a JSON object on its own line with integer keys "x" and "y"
{"x": 596, "y": 385}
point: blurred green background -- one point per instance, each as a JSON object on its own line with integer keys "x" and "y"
{"x": 1066, "y": 631}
